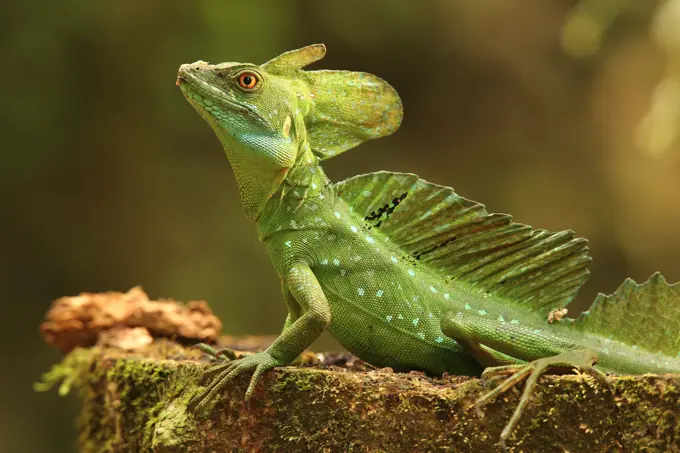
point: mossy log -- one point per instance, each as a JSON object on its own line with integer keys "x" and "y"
{"x": 137, "y": 401}
{"x": 136, "y": 385}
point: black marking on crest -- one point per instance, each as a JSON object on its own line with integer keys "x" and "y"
{"x": 418, "y": 255}
{"x": 384, "y": 212}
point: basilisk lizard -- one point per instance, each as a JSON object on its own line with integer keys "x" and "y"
{"x": 405, "y": 273}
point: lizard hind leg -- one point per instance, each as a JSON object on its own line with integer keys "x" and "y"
{"x": 581, "y": 360}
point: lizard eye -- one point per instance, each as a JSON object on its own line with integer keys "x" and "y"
{"x": 248, "y": 80}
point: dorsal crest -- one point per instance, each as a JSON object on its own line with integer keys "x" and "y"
{"x": 457, "y": 239}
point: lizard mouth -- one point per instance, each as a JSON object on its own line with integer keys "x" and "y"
{"x": 189, "y": 81}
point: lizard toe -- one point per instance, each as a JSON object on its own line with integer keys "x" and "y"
{"x": 224, "y": 373}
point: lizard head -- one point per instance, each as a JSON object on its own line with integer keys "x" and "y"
{"x": 264, "y": 115}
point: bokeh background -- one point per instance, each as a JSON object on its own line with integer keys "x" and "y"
{"x": 563, "y": 113}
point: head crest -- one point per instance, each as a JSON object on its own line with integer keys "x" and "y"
{"x": 295, "y": 59}
{"x": 348, "y": 108}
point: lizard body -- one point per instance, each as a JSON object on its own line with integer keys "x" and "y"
{"x": 361, "y": 277}
{"x": 405, "y": 273}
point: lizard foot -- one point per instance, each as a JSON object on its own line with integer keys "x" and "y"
{"x": 224, "y": 373}
{"x": 567, "y": 362}
{"x": 216, "y": 353}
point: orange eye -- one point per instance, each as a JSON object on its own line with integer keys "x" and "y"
{"x": 248, "y": 80}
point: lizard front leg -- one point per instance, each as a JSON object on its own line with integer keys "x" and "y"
{"x": 298, "y": 334}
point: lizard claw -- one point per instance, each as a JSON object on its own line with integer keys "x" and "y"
{"x": 579, "y": 360}
{"x": 226, "y": 372}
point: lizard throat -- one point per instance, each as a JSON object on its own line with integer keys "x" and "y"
{"x": 304, "y": 184}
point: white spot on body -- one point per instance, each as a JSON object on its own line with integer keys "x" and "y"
{"x": 439, "y": 340}
{"x": 388, "y": 318}
{"x": 288, "y": 244}
{"x": 468, "y": 307}
{"x": 415, "y": 321}
{"x": 433, "y": 289}
{"x": 354, "y": 229}
{"x": 394, "y": 260}
{"x": 482, "y": 312}
{"x": 379, "y": 293}
{"x": 411, "y": 272}
{"x": 337, "y": 214}
{"x": 360, "y": 291}
{"x": 370, "y": 240}
{"x": 447, "y": 296}
{"x": 336, "y": 262}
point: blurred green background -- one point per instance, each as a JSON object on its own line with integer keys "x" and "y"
{"x": 563, "y": 113}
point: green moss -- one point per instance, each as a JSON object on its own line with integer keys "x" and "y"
{"x": 136, "y": 404}
{"x": 72, "y": 371}
{"x": 293, "y": 382}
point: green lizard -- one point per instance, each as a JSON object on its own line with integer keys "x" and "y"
{"x": 405, "y": 273}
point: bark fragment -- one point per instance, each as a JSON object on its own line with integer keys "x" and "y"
{"x": 79, "y": 321}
